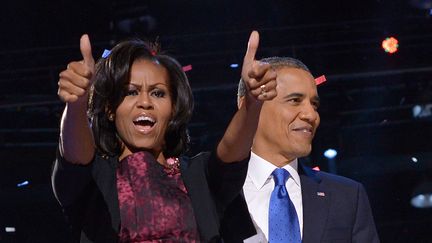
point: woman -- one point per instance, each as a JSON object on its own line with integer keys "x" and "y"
{"x": 121, "y": 177}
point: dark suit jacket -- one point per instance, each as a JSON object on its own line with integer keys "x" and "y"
{"x": 88, "y": 194}
{"x": 335, "y": 210}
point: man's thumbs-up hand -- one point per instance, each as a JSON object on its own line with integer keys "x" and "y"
{"x": 259, "y": 77}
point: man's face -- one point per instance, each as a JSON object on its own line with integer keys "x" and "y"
{"x": 287, "y": 124}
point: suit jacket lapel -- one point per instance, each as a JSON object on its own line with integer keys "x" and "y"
{"x": 316, "y": 202}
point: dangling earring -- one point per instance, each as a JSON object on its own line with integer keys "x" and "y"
{"x": 111, "y": 117}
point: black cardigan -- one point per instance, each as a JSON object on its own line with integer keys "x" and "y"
{"x": 88, "y": 194}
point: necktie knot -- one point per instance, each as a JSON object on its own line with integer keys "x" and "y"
{"x": 280, "y": 176}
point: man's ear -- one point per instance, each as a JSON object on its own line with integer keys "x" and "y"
{"x": 240, "y": 101}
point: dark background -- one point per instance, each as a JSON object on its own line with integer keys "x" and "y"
{"x": 366, "y": 108}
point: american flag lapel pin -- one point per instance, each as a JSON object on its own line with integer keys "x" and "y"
{"x": 321, "y": 194}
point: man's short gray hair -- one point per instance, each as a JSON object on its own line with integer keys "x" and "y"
{"x": 275, "y": 62}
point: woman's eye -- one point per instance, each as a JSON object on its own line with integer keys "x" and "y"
{"x": 158, "y": 93}
{"x": 132, "y": 92}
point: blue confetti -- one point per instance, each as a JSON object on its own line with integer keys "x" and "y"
{"x": 106, "y": 53}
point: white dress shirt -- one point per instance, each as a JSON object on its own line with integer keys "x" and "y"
{"x": 258, "y": 188}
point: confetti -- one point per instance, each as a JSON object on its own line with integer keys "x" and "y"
{"x": 321, "y": 79}
{"x": 187, "y": 68}
{"x": 106, "y": 53}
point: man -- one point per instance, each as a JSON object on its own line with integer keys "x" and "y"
{"x": 325, "y": 207}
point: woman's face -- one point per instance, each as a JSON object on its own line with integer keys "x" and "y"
{"x": 142, "y": 117}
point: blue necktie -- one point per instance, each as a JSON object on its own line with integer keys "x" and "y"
{"x": 283, "y": 222}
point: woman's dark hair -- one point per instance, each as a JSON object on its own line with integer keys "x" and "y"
{"x": 109, "y": 89}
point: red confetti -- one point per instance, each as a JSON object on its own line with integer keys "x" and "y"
{"x": 187, "y": 68}
{"x": 316, "y": 168}
{"x": 321, "y": 79}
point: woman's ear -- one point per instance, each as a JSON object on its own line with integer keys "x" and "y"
{"x": 110, "y": 114}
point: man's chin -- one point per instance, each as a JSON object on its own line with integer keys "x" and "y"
{"x": 304, "y": 152}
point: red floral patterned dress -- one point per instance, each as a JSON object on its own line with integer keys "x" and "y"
{"x": 154, "y": 204}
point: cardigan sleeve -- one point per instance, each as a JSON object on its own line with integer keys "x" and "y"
{"x": 88, "y": 197}
{"x": 226, "y": 179}
{"x": 211, "y": 185}
{"x": 69, "y": 180}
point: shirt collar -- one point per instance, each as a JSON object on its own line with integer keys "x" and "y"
{"x": 260, "y": 170}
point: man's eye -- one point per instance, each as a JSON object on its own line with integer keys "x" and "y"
{"x": 158, "y": 93}
{"x": 294, "y": 100}
{"x": 131, "y": 93}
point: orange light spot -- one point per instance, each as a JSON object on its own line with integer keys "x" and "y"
{"x": 390, "y": 45}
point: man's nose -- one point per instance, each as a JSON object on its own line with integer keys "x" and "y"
{"x": 309, "y": 113}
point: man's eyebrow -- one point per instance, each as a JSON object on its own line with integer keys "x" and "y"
{"x": 300, "y": 95}
{"x": 293, "y": 95}
{"x": 316, "y": 99}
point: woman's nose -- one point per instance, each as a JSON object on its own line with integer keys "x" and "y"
{"x": 144, "y": 101}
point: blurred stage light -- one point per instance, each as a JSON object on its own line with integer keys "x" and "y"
{"x": 422, "y": 195}
{"x": 421, "y": 4}
{"x": 422, "y": 201}
{"x": 234, "y": 65}
{"x": 24, "y": 183}
{"x": 330, "y": 153}
{"x": 414, "y": 159}
{"x": 390, "y": 45}
{"x": 10, "y": 229}
{"x": 422, "y": 111}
